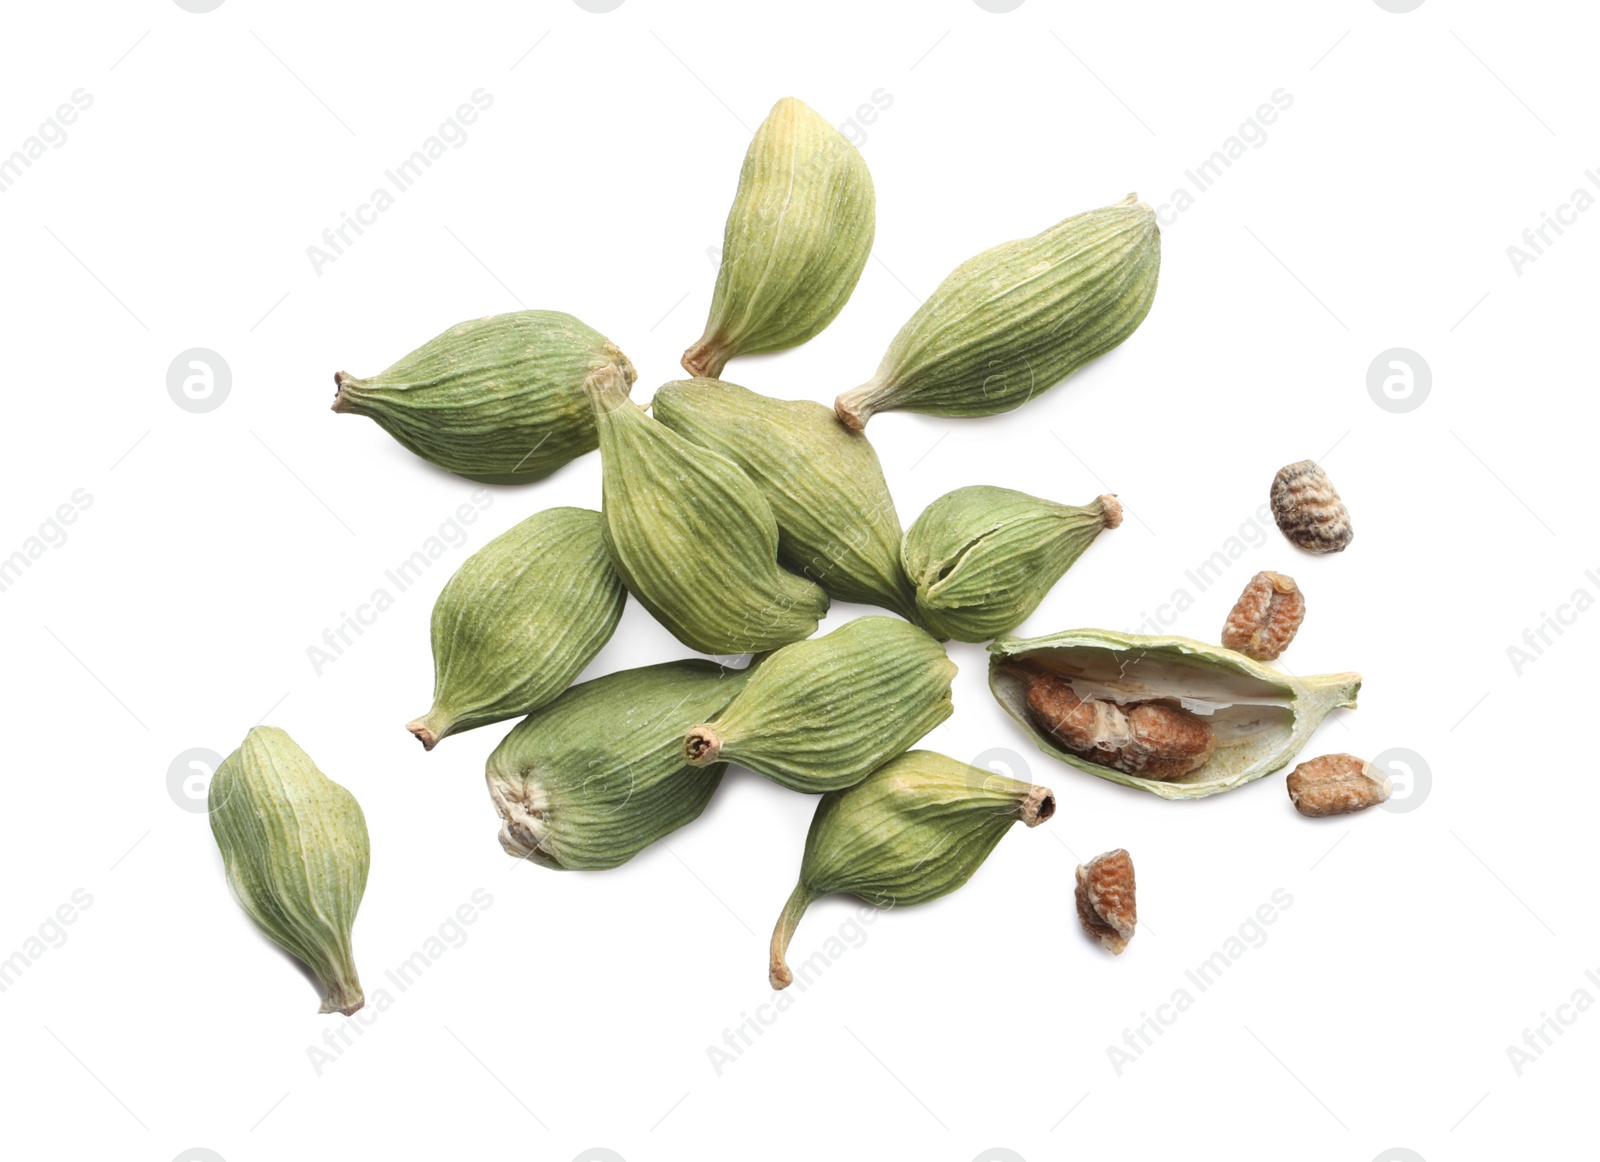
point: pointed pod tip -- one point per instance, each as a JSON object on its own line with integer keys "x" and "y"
{"x": 851, "y": 415}
{"x": 779, "y": 976}
{"x": 341, "y": 401}
{"x": 701, "y": 746}
{"x": 424, "y": 735}
{"x": 1111, "y": 509}
{"x": 1037, "y": 806}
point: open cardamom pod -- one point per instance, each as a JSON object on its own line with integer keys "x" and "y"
{"x": 598, "y": 775}
{"x": 294, "y": 847}
{"x": 499, "y": 400}
{"x": 1017, "y": 319}
{"x": 692, "y": 537}
{"x": 836, "y": 521}
{"x": 983, "y": 558}
{"x": 821, "y": 714}
{"x": 913, "y": 830}
{"x": 519, "y": 621}
{"x": 796, "y": 240}
{"x": 1176, "y": 717}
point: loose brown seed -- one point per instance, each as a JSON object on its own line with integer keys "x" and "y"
{"x": 1335, "y": 784}
{"x": 1106, "y": 899}
{"x": 1266, "y": 617}
{"x": 1308, "y": 509}
{"x": 1144, "y": 738}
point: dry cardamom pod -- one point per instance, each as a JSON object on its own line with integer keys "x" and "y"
{"x": 1105, "y": 897}
{"x": 1337, "y": 784}
{"x": 797, "y": 238}
{"x": 519, "y": 621}
{"x": 913, "y": 830}
{"x": 1308, "y": 509}
{"x": 692, "y": 538}
{"x": 1266, "y": 617}
{"x": 598, "y": 775}
{"x": 498, "y": 399}
{"x": 836, "y": 522}
{"x": 294, "y": 847}
{"x": 819, "y": 715}
{"x": 1143, "y": 701}
{"x": 983, "y": 558}
{"x": 1019, "y": 318}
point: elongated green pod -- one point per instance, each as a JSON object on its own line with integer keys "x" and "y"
{"x": 913, "y": 830}
{"x": 295, "y": 850}
{"x": 598, "y": 775}
{"x": 983, "y": 558}
{"x": 1218, "y": 719}
{"x": 692, "y": 537}
{"x": 836, "y": 521}
{"x": 519, "y": 621}
{"x": 498, "y": 400}
{"x": 821, "y": 714}
{"x": 1017, "y": 319}
{"x": 796, "y": 240}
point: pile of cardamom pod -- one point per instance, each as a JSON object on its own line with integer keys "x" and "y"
{"x": 734, "y": 519}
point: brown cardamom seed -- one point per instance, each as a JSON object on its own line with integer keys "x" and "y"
{"x": 1106, "y": 899}
{"x": 1336, "y": 784}
{"x": 1308, "y": 509}
{"x": 1266, "y": 617}
{"x": 1142, "y": 738}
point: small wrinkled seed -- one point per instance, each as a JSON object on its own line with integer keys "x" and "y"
{"x": 1308, "y": 509}
{"x": 1105, "y": 898}
{"x": 1337, "y": 784}
{"x": 1266, "y": 617}
{"x": 1144, "y": 739}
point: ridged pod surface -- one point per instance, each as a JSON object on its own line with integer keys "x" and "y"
{"x": 821, "y": 714}
{"x": 295, "y": 850}
{"x": 983, "y": 558}
{"x": 1258, "y": 718}
{"x": 519, "y": 621}
{"x": 836, "y": 521}
{"x": 796, "y": 240}
{"x": 692, "y": 537}
{"x": 1017, "y": 319}
{"x": 913, "y": 830}
{"x": 598, "y": 775}
{"x": 499, "y": 400}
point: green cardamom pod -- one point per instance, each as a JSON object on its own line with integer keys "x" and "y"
{"x": 797, "y": 238}
{"x": 1176, "y": 717}
{"x": 692, "y": 537}
{"x": 1018, "y": 319}
{"x": 983, "y": 558}
{"x": 499, "y": 400}
{"x": 519, "y": 621}
{"x": 836, "y": 521}
{"x": 821, "y": 714}
{"x": 294, "y": 847}
{"x": 913, "y": 830}
{"x": 598, "y": 775}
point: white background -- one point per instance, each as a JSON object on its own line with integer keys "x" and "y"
{"x": 1376, "y": 1012}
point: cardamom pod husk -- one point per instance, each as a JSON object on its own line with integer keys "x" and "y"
{"x": 819, "y": 715}
{"x": 796, "y": 240}
{"x": 983, "y": 558}
{"x": 692, "y": 537}
{"x": 294, "y": 847}
{"x": 1194, "y": 718}
{"x": 1016, "y": 320}
{"x": 836, "y": 521}
{"x": 913, "y": 830}
{"x": 519, "y": 621}
{"x": 498, "y": 400}
{"x": 598, "y": 775}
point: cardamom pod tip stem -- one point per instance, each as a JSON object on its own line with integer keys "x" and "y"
{"x": 778, "y": 974}
{"x": 701, "y": 746}
{"x": 1111, "y": 510}
{"x": 427, "y": 730}
{"x": 707, "y": 358}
